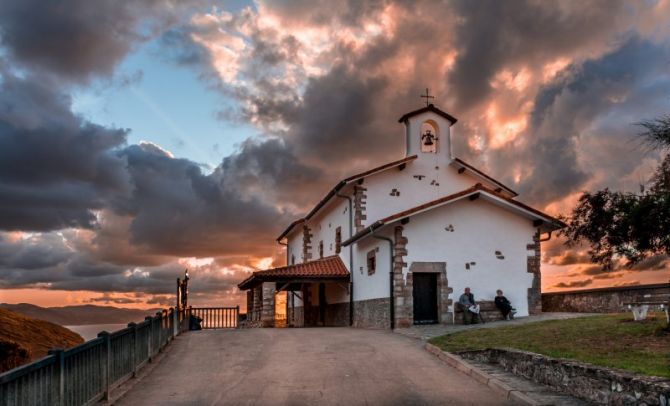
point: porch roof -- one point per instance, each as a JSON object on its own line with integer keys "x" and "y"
{"x": 329, "y": 268}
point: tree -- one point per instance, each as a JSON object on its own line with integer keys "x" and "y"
{"x": 627, "y": 225}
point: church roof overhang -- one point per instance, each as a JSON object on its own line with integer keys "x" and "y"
{"x": 321, "y": 270}
{"x": 340, "y": 186}
{"x": 543, "y": 221}
{"x": 462, "y": 166}
{"x": 430, "y": 108}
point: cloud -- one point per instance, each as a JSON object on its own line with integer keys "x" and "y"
{"x": 76, "y": 39}
{"x": 323, "y": 84}
{"x": 55, "y": 167}
{"x": 574, "y": 284}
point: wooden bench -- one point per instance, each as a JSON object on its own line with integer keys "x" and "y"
{"x": 487, "y": 312}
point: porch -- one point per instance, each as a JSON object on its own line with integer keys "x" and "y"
{"x": 315, "y": 293}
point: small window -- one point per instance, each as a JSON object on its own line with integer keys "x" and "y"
{"x": 372, "y": 262}
{"x": 321, "y": 249}
{"x": 338, "y": 240}
{"x": 292, "y": 259}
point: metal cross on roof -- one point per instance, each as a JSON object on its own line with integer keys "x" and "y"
{"x": 427, "y": 96}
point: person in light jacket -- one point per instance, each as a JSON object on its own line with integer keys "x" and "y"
{"x": 469, "y": 306}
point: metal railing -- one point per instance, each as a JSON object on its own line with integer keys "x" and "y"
{"x": 86, "y": 374}
{"x": 217, "y": 317}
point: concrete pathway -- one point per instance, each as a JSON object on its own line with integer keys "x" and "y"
{"x": 324, "y": 366}
{"x": 433, "y": 330}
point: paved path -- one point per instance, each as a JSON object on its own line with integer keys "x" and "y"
{"x": 308, "y": 366}
{"x": 429, "y": 331}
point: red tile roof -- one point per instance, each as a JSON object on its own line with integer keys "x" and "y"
{"x": 326, "y": 268}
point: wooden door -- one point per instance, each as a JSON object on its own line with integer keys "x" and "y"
{"x": 425, "y": 298}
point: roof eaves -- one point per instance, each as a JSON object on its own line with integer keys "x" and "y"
{"x": 484, "y": 175}
{"x": 430, "y": 108}
{"x": 339, "y": 187}
{"x": 554, "y": 223}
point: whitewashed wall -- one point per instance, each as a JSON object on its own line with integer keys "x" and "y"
{"x": 376, "y": 285}
{"x": 480, "y": 229}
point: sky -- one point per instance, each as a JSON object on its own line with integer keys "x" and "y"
{"x": 138, "y": 139}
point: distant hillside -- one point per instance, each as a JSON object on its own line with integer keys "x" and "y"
{"x": 23, "y": 339}
{"x": 80, "y": 315}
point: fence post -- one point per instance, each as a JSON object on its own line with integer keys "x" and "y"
{"x": 150, "y": 336}
{"x": 175, "y": 322}
{"x": 237, "y": 316}
{"x": 160, "y": 329}
{"x": 59, "y": 355}
{"x": 133, "y": 348}
{"x": 106, "y": 362}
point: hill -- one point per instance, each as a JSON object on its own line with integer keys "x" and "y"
{"x": 23, "y": 339}
{"x": 81, "y": 314}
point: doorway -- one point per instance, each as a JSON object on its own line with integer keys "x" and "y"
{"x": 424, "y": 291}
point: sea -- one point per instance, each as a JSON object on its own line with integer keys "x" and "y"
{"x": 90, "y": 331}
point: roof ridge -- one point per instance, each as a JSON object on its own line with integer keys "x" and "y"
{"x": 340, "y": 185}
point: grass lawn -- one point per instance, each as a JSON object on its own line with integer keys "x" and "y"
{"x": 608, "y": 340}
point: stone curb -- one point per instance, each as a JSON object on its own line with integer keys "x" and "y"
{"x": 480, "y": 376}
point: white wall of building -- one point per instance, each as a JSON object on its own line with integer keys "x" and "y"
{"x": 480, "y": 229}
{"x": 376, "y": 285}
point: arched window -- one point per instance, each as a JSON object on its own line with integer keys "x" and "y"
{"x": 429, "y": 136}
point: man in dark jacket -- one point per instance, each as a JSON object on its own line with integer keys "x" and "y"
{"x": 504, "y": 305}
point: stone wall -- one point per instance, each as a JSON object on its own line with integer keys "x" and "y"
{"x": 589, "y": 382}
{"x": 359, "y": 206}
{"x": 268, "y": 312}
{"x": 534, "y": 261}
{"x": 402, "y": 286}
{"x": 337, "y": 315}
{"x": 605, "y": 300}
{"x": 306, "y": 244}
{"x": 373, "y": 313}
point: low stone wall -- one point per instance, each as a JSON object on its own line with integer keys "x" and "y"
{"x": 604, "y": 300}
{"x": 373, "y": 313}
{"x": 337, "y": 315}
{"x": 585, "y": 381}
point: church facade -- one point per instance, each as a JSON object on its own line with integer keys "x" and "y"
{"x": 397, "y": 244}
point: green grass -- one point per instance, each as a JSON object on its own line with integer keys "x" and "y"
{"x": 608, "y": 340}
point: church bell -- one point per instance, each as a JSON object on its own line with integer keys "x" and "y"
{"x": 428, "y": 138}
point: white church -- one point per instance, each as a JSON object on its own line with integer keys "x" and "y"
{"x": 396, "y": 245}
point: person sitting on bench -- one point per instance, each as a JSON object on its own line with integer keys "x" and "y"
{"x": 504, "y": 305}
{"x": 470, "y": 307}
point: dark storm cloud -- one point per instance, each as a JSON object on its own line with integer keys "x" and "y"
{"x": 178, "y": 210}
{"x": 55, "y": 167}
{"x": 337, "y": 119}
{"x": 48, "y": 260}
{"x": 79, "y": 38}
{"x": 47, "y": 252}
{"x": 269, "y": 167}
{"x": 570, "y": 107}
{"x": 492, "y": 35}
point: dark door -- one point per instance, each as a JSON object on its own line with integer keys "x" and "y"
{"x": 425, "y": 298}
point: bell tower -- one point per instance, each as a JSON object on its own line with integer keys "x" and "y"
{"x": 428, "y": 132}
